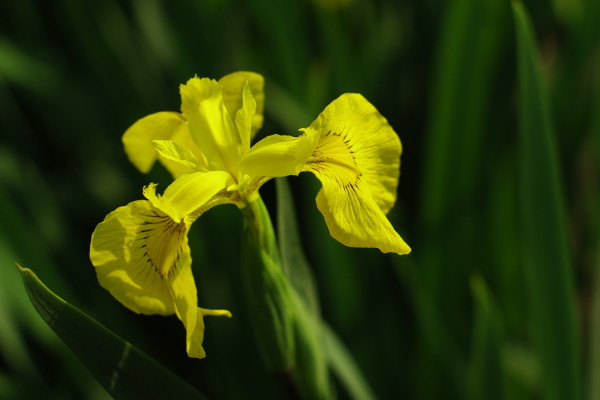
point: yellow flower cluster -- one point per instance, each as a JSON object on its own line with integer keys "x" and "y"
{"x": 140, "y": 251}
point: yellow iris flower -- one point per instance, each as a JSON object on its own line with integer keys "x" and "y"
{"x": 140, "y": 251}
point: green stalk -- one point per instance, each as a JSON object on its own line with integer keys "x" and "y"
{"x": 266, "y": 290}
{"x": 286, "y": 330}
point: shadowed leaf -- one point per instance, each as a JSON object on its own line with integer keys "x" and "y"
{"x": 123, "y": 370}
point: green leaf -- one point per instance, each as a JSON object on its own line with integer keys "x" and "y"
{"x": 266, "y": 291}
{"x": 310, "y": 327}
{"x": 311, "y": 362}
{"x": 484, "y": 377}
{"x": 471, "y": 44}
{"x": 544, "y": 235}
{"x": 594, "y": 335}
{"x": 433, "y": 326}
{"x": 294, "y": 263}
{"x": 568, "y": 11}
{"x": 344, "y": 366}
{"x": 593, "y": 383}
{"x": 122, "y": 369}
{"x": 468, "y": 63}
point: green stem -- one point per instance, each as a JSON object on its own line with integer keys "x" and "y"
{"x": 266, "y": 291}
{"x": 258, "y": 223}
{"x": 286, "y": 331}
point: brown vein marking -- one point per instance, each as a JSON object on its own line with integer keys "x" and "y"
{"x": 334, "y": 158}
{"x": 166, "y": 228}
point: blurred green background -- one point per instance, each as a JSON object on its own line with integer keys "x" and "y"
{"x": 498, "y": 196}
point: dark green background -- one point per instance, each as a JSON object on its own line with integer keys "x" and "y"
{"x": 463, "y": 316}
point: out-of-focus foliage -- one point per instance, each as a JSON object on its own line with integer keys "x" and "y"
{"x": 124, "y": 371}
{"x": 497, "y": 176}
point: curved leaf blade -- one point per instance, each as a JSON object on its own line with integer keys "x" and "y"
{"x": 122, "y": 369}
{"x": 545, "y": 247}
{"x": 299, "y": 274}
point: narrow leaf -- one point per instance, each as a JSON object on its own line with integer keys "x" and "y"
{"x": 266, "y": 291}
{"x": 344, "y": 366}
{"x": 470, "y": 48}
{"x": 123, "y": 370}
{"x": 484, "y": 376}
{"x": 544, "y": 240}
{"x": 593, "y": 383}
{"x": 294, "y": 263}
{"x": 594, "y": 336}
{"x": 309, "y": 323}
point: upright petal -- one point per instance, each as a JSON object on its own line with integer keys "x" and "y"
{"x": 137, "y": 141}
{"x": 179, "y": 153}
{"x": 357, "y": 159}
{"x": 233, "y": 85}
{"x": 133, "y": 250}
{"x": 210, "y": 124}
{"x": 243, "y": 117}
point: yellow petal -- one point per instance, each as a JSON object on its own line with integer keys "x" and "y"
{"x": 354, "y": 219}
{"x": 143, "y": 259}
{"x": 277, "y": 155}
{"x": 210, "y": 124}
{"x": 133, "y": 250}
{"x": 195, "y": 337}
{"x": 179, "y": 153}
{"x": 233, "y": 85}
{"x": 188, "y": 193}
{"x": 243, "y": 118}
{"x": 357, "y": 159}
{"x": 183, "y": 289}
{"x": 355, "y": 140}
{"x": 137, "y": 141}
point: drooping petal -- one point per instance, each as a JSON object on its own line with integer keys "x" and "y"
{"x": 188, "y": 193}
{"x": 137, "y": 141}
{"x": 233, "y": 85}
{"x": 210, "y": 124}
{"x": 133, "y": 250}
{"x": 143, "y": 259}
{"x": 183, "y": 290}
{"x": 357, "y": 159}
{"x": 354, "y": 135}
{"x": 354, "y": 219}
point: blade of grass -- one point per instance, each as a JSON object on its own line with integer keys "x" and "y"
{"x": 283, "y": 33}
{"x": 470, "y": 46}
{"x": 123, "y": 370}
{"x": 344, "y": 366}
{"x": 431, "y": 324}
{"x": 593, "y": 383}
{"x": 484, "y": 377}
{"x": 294, "y": 263}
{"x": 299, "y": 275}
{"x": 545, "y": 250}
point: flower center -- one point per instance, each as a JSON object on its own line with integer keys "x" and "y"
{"x": 163, "y": 243}
{"x": 334, "y": 158}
